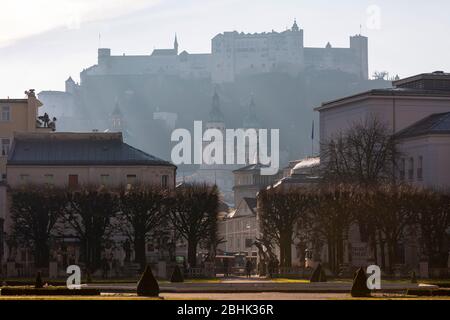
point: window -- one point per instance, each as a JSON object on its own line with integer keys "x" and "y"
{"x": 25, "y": 178}
{"x": 48, "y": 179}
{"x": 131, "y": 179}
{"x": 73, "y": 180}
{"x": 104, "y": 179}
{"x": 420, "y": 168}
{"x": 248, "y": 243}
{"x": 165, "y": 181}
{"x": 6, "y": 113}
{"x": 402, "y": 170}
{"x": 411, "y": 169}
{"x": 5, "y": 145}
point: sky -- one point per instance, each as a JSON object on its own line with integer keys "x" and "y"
{"x": 43, "y": 42}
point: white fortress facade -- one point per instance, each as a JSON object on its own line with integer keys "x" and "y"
{"x": 236, "y": 54}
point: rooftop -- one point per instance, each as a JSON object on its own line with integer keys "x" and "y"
{"x": 252, "y": 167}
{"x": 435, "y": 124}
{"x": 77, "y": 149}
{"x": 307, "y": 163}
{"x": 438, "y": 80}
{"x": 433, "y": 85}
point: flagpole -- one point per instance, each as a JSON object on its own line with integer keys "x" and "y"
{"x": 312, "y": 140}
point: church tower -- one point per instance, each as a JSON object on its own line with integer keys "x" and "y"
{"x": 175, "y": 44}
{"x": 117, "y": 123}
{"x": 216, "y": 118}
{"x": 251, "y": 122}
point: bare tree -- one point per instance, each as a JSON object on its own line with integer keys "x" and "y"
{"x": 141, "y": 213}
{"x": 34, "y": 213}
{"x": 333, "y": 209}
{"x": 433, "y": 219}
{"x": 90, "y": 213}
{"x": 380, "y": 75}
{"x": 364, "y": 154}
{"x": 391, "y": 209}
{"x": 281, "y": 212}
{"x": 193, "y": 210}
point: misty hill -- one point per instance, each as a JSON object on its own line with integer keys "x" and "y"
{"x": 282, "y": 101}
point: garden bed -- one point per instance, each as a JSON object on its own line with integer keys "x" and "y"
{"x": 48, "y": 291}
{"x": 428, "y": 292}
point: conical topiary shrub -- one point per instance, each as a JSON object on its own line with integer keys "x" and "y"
{"x": 318, "y": 275}
{"x": 413, "y": 277}
{"x": 177, "y": 276}
{"x": 38, "y": 283}
{"x": 359, "y": 287}
{"x": 147, "y": 285}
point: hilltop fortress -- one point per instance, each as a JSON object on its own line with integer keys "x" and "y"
{"x": 236, "y": 54}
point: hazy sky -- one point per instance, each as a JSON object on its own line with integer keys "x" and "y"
{"x": 43, "y": 42}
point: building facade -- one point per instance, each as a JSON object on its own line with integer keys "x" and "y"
{"x": 416, "y": 111}
{"x": 235, "y": 54}
{"x": 18, "y": 115}
{"x": 74, "y": 160}
{"x": 77, "y": 159}
{"x": 406, "y": 110}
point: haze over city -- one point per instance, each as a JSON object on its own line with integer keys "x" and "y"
{"x": 63, "y": 36}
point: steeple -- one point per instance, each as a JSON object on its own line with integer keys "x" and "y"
{"x": 175, "y": 44}
{"x": 250, "y": 120}
{"x": 295, "y": 26}
{"x": 216, "y": 115}
{"x": 116, "y": 119}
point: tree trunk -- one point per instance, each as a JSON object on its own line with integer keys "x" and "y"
{"x": 285, "y": 251}
{"x": 192, "y": 253}
{"x": 41, "y": 254}
{"x": 382, "y": 251}
{"x": 391, "y": 255}
{"x": 139, "y": 249}
{"x": 339, "y": 254}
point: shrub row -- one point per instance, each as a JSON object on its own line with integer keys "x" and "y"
{"x": 428, "y": 292}
{"x": 48, "y": 291}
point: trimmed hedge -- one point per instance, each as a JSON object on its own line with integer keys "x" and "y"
{"x": 359, "y": 287}
{"x": 177, "y": 275}
{"x": 428, "y": 292}
{"x": 147, "y": 285}
{"x": 48, "y": 291}
{"x": 318, "y": 275}
{"x": 16, "y": 283}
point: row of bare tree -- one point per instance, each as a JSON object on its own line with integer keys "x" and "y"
{"x": 96, "y": 215}
{"x": 385, "y": 215}
{"x": 359, "y": 185}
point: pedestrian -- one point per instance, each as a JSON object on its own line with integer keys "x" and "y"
{"x": 225, "y": 267}
{"x": 248, "y": 268}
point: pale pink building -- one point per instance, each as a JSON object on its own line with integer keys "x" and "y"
{"x": 417, "y": 110}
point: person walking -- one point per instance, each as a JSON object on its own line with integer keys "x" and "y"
{"x": 248, "y": 268}
{"x": 225, "y": 267}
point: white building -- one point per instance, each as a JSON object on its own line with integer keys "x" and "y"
{"x": 234, "y": 54}
{"x": 416, "y": 110}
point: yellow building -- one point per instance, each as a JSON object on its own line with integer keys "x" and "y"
{"x": 18, "y": 115}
